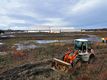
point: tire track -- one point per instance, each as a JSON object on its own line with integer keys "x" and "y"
{"x": 25, "y": 71}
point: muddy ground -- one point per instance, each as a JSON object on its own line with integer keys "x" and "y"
{"x": 36, "y": 64}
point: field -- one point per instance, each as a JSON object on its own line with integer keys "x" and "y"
{"x": 34, "y": 61}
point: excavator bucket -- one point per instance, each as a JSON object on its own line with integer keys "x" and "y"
{"x": 60, "y": 66}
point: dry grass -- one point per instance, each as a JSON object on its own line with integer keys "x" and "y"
{"x": 96, "y": 71}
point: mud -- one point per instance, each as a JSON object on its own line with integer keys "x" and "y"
{"x": 27, "y": 70}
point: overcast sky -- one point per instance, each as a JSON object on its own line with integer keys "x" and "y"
{"x": 23, "y": 14}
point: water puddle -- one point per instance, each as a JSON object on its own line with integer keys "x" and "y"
{"x": 52, "y": 41}
{"x": 25, "y": 46}
{"x": 32, "y": 44}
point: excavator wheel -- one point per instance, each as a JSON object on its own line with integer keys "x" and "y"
{"x": 91, "y": 59}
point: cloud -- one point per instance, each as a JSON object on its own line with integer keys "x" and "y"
{"x": 84, "y": 5}
{"x": 55, "y": 22}
{"x": 27, "y": 13}
{"x": 87, "y": 13}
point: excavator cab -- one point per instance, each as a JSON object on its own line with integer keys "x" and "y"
{"x": 85, "y": 51}
{"x": 81, "y": 44}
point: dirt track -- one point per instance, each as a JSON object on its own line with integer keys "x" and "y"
{"x": 27, "y": 71}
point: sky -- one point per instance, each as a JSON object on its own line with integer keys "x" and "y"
{"x": 73, "y": 14}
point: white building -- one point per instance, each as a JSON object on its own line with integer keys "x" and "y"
{"x": 53, "y": 29}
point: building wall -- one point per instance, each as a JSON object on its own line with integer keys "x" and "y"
{"x": 56, "y": 30}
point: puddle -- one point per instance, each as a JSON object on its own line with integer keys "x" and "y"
{"x": 46, "y": 41}
{"x": 96, "y": 39}
{"x": 52, "y": 41}
{"x": 90, "y": 38}
{"x": 3, "y": 53}
{"x": 1, "y": 43}
{"x": 25, "y": 46}
{"x": 32, "y": 44}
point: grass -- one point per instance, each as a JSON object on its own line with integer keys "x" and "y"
{"x": 95, "y": 71}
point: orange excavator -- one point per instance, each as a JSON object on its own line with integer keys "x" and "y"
{"x": 82, "y": 53}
